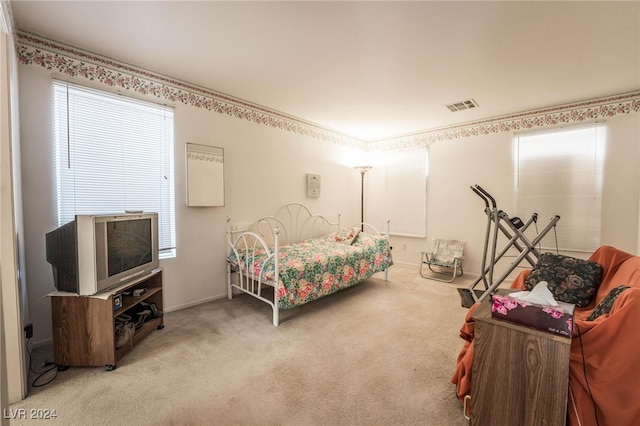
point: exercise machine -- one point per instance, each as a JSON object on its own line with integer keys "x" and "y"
{"x": 513, "y": 228}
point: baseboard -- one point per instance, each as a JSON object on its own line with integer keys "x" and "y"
{"x": 407, "y": 264}
{"x": 195, "y": 303}
{"x": 41, "y": 343}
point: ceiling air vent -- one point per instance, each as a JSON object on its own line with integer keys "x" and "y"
{"x": 459, "y": 106}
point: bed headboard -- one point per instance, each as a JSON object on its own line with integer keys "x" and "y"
{"x": 295, "y": 223}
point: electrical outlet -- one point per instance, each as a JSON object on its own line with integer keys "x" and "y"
{"x": 28, "y": 330}
{"x": 404, "y": 247}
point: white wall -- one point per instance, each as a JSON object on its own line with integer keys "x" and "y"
{"x": 13, "y": 374}
{"x": 264, "y": 168}
{"x": 454, "y": 211}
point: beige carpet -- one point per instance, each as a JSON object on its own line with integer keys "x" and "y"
{"x": 379, "y": 353}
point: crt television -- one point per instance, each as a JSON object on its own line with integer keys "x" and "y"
{"x": 93, "y": 253}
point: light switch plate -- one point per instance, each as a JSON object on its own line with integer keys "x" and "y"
{"x": 313, "y": 185}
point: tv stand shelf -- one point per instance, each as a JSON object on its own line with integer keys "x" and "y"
{"x": 84, "y": 326}
{"x": 130, "y": 301}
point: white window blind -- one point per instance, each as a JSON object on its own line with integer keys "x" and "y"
{"x": 113, "y": 154}
{"x": 560, "y": 173}
{"x": 403, "y": 186}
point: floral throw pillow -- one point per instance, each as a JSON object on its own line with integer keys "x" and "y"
{"x": 570, "y": 280}
{"x": 345, "y": 235}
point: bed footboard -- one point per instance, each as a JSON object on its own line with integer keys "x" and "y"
{"x": 367, "y": 227}
{"x": 251, "y": 272}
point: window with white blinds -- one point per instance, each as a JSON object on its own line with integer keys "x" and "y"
{"x": 560, "y": 173}
{"x": 403, "y": 185}
{"x": 113, "y": 154}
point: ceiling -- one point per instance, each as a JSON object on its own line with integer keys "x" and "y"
{"x": 369, "y": 70}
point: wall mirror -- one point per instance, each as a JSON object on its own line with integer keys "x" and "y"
{"x": 205, "y": 176}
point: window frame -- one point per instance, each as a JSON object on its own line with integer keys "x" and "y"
{"x": 580, "y": 225}
{"x": 137, "y": 145}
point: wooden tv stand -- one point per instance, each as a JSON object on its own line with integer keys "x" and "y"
{"x": 84, "y": 326}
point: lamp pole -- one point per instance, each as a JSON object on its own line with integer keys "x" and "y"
{"x": 362, "y": 170}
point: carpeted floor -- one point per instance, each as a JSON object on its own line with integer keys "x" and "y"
{"x": 379, "y": 353}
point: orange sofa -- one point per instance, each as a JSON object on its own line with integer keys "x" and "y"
{"x": 604, "y": 366}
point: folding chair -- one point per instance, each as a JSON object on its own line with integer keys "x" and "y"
{"x": 446, "y": 254}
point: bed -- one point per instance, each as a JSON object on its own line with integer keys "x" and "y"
{"x": 295, "y": 257}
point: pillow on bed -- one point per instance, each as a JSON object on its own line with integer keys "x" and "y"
{"x": 570, "y": 280}
{"x": 345, "y": 235}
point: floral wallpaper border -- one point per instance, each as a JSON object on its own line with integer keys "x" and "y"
{"x": 74, "y": 62}
{"x": 78, "y": 63}
{"x": 205, "y": 156}
{"x": 586, "y": 111}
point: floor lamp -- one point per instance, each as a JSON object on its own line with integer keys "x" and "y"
{"x": 362, "y": 170}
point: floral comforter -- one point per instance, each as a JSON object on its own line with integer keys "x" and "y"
{"x": 317, "y": 267}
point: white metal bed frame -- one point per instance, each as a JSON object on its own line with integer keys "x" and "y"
{"x": 292, "y": 223}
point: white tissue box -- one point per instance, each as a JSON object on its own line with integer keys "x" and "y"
{"x": 554, "y": 319}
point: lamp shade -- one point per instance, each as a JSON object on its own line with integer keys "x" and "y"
{"x": 362, "y": 169}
